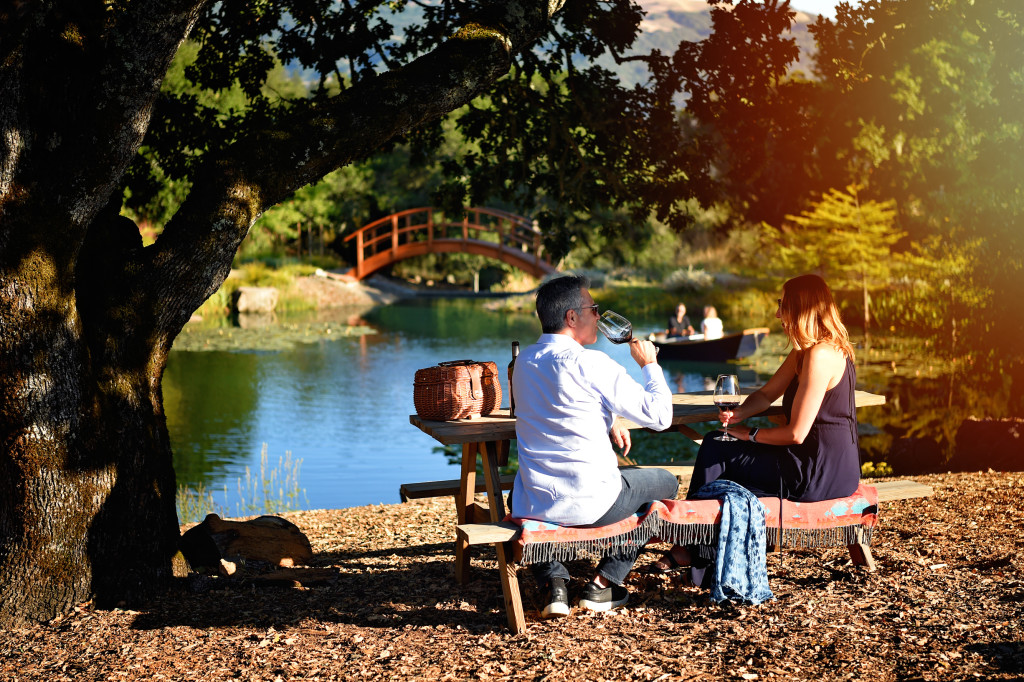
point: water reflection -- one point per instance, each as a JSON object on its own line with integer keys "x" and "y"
{"x": 210, "y": 399}
{"x": 688, "y": 377}
{"x": 916, "y": 430}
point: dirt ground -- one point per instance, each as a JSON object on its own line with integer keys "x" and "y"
{"x": 944, "y": 604}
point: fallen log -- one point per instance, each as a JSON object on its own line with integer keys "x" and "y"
{"x": 219, "y": 545}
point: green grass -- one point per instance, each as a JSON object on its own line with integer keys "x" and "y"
{"x": 277, "y": 274}
{"x": 195, "y": 504}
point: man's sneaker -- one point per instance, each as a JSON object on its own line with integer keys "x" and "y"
{"x": 603, "y": 598}
{"x": 557, "y": 599}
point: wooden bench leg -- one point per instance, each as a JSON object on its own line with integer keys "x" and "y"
{"x": 510, "y": 589}
{"x": 860, "y": 553}
{"x": 464, "y": 509}
{"x": 492, "y": 453}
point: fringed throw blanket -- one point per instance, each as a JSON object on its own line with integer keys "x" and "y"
{"x": 831, "y": 523}
{"x": 741, "y": 568}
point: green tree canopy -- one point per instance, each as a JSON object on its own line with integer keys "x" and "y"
{"x": 548, "y": 138}
{"x": 930, "y": 95}
{"x": 916, "y": 101}
{"x": 942, "y": 294}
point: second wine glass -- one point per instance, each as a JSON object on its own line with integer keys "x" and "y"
{"x": 727, "y": 397}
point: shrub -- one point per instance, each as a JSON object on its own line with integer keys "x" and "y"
{"x": 875, "y": 470}
{"x": 688, "y": 280}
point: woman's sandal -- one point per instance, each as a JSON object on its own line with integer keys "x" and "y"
{"x": 669, "y": 558}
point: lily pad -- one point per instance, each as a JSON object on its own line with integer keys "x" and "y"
{"x": 270, "y": 337}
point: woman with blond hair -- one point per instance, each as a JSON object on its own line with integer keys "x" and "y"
{"x": 711, "y": 326}
{"x": 815, "y": 454}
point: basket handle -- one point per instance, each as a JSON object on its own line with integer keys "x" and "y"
{"x": 476, "y": 389}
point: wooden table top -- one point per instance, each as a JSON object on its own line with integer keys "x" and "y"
{"x": 687, "y": 408}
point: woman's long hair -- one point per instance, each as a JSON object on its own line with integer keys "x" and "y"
{"x": 810, "y": 315}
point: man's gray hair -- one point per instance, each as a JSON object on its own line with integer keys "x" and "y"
{"x": 557, "y": 297}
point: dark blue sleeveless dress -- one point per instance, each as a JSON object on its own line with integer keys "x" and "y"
{"x": 825, "y": 466}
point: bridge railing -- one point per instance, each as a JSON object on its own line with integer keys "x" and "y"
{"x": 389, "y": 236}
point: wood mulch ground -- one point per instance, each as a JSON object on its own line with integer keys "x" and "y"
{"x": 945, "y": 604}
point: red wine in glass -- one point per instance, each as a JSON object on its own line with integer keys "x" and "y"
{"x": 615, "y": 327}
{"x": 727, "y": 397}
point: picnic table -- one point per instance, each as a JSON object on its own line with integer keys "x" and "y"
{"x": 488, "y": 437}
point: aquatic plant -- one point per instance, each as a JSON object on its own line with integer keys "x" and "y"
{"x": 194, "y": 504}
{"x": 276, "y": 490}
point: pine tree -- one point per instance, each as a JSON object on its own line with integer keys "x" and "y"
{"x": 846, "y": 240}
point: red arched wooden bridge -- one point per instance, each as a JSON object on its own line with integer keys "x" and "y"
{"x": 488, "y": 232}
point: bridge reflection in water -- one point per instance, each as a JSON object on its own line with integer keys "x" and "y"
{"x": 488, "y": 232}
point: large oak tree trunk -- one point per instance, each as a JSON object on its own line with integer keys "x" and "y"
{"x": 88, "y": 316}
{"x": 86, "y": 482}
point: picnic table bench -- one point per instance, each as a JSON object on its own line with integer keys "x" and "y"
{"x": 852, "y": 527}
{"x": 488, "y": 437}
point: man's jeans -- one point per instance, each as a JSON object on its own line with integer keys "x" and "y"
{"x": 639, "y": 487}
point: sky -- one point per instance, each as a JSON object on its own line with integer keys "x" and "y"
{"x": 826, "y": 7}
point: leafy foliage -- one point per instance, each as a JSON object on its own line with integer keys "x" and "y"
{"x": 745, "y": 113}
{"x": 846, "y": 240}
{"x": 190, "y": 120}
{"x": 944, "y": 296}
{"x": 924, "y": 99}
{"x": 914, "y": 101}
{"x": 688, "y": 280}
{"x": 548, "y": 140}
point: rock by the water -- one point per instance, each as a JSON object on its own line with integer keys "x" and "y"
{"x": 256, "y": 300}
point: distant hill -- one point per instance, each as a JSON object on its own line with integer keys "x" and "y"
{"x": 669, "y": 22}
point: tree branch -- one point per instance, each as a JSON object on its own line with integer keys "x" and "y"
{"x": 138, "y": 49}
{"x": 230, "y": 192}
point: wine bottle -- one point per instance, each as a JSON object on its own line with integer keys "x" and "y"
{"x": 511, "y": 368}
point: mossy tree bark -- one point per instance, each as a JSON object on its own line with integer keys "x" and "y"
{"x": 88, "y": 316}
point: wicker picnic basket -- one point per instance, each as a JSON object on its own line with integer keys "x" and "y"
{"x": 457, "y": 390}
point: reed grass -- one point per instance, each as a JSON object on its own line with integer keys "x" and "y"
{"x": 275, "y": 490}
{"x": 271, "y": 490}
{"x": 195, "y": 504}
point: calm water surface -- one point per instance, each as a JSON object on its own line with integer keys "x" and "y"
{"x": 342, "y": 406}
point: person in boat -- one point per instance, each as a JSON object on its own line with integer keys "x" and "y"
{"x": 815, "y": 455}
{"x": 679, "y": 323}
{"x": 711, "y": 325}
{"x": 567, "y": 400}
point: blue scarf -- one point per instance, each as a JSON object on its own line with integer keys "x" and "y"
{"x": 741, "y": 568}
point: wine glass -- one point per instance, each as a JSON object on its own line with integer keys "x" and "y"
{"x": 614, "y": 326}
{"x": 727, "y": 397}
{"x": 617, "y": 328}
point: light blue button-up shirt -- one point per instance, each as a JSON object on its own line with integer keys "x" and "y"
{"x": 567, "y": 398}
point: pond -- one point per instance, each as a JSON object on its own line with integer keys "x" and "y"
{"x": 340, "y": 404}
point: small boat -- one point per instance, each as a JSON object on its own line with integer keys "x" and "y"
{"x": 696, "y": 348}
